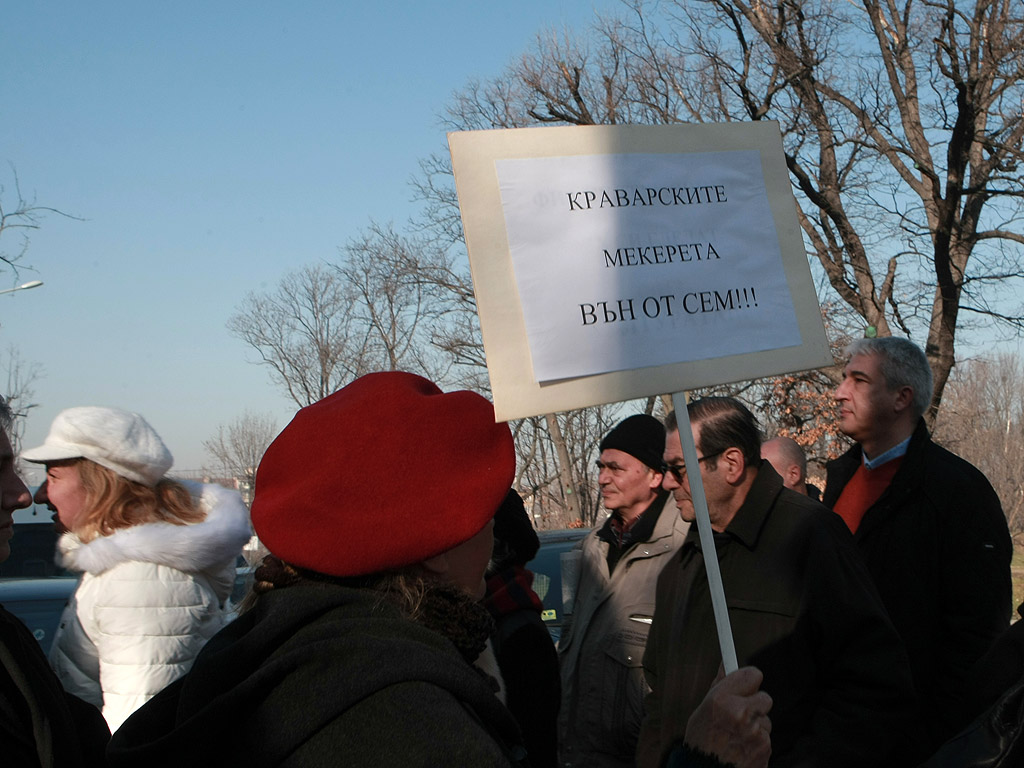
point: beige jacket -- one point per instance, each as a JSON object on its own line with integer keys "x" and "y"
{"x": 602, "y": 646}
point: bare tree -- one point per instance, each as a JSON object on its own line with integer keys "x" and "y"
{"x": 901, "y": 122}
{"x": 802, "y": 405}
{"x": 20, "y": 392}
{"x": 238, "y": 448}
{"x": 304, "y": 332}
{"x": 17, "y": 221}
{"x": 983, "y": 421}
{"x": 391, "y": 302}
{"x": 406, "y": 293}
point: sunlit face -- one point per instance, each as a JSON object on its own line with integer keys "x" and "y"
{"x": 63, "y": 492}
{"x": 468, "y": 561}
{"x": 13, "y": 495}
{"x": 626, "y": 483}
{"x": 866, "y": 404}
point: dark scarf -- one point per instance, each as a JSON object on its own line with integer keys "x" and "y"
{"x": 620, "y": 536}
{"x": 511, "y": 590}
{"x": 453, "y": 614}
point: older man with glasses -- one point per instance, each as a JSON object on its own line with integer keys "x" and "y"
{"x": 802, "y": 606}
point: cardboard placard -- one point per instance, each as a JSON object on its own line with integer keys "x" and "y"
{"x": 617, "y": 262}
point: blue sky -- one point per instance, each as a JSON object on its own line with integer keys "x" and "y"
{"x": 209, "y": 149}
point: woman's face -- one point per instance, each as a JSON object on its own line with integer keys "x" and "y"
{"x": 63, "y": 492}
{"x": 467, "y": 562}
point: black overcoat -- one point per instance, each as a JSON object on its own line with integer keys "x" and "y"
{"x": 938, "y": 548}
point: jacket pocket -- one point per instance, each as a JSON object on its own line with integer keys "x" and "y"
{"x": 624, "y": 688}
{"x": 777, "y": 607}
{"x": 768, "y": 632}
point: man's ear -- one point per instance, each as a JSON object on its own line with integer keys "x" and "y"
{"x": 655, "y": 476}
{"x": 793, "y": 475}
{"x": 904, "y": 399}
{"x": 735, "y": 464}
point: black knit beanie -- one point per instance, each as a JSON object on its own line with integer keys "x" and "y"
{"x": 513, "y": 528}
{"x": 641, "y": 436}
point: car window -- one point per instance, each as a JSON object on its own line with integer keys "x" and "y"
{"x": 547, "y": 573}
{"x": 33, "y": 550}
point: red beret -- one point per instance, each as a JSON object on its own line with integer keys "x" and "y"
{"x": 384, "y": 473}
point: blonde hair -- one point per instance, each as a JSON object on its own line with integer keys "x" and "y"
{"x": 405, "y": 588}
{"x": 116, "y": 502}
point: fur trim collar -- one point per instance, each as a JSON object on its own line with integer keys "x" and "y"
{"x": 189, "y": 548}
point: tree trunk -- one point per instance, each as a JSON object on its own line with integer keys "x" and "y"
{"x": 568, "y": 485}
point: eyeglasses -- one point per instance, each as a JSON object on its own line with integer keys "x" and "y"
{"x": 678, "y": 471}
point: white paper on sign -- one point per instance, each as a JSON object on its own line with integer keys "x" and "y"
{"x": 633, "y": 260}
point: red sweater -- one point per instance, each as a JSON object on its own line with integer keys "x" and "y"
{"x": 864, "y": 489}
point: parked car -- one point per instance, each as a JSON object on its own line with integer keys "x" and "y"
{"x": 33, "y": 546}
{"x": 32, "y": 586}
{"x": 547, "y": 569}
{"x": 39, "y": 604}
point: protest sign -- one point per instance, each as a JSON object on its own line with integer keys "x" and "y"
{"x": 614, "y": 262}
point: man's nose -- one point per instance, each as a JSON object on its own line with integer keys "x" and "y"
{"x": 16, "y": 496}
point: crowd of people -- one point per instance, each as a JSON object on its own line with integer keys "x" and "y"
{"x": 393, "y": 621}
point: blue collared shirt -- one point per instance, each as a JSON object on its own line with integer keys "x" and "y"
{"x": 893, "y": 453}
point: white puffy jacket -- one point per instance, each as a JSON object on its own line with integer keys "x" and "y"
{"x": 148, "y": 600}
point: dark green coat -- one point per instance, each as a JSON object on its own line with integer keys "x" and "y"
{"x": 322, "y": 675}
{"x": 803, "y": 610}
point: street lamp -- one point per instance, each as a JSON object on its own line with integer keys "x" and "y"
{"x": 24, "y": 287}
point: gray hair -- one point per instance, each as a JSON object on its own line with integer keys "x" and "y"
{"x": 903, "y": 364}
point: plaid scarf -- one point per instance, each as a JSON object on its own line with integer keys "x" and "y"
{"x": 621, "y": 529}
{"x": 511, "y": 590}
